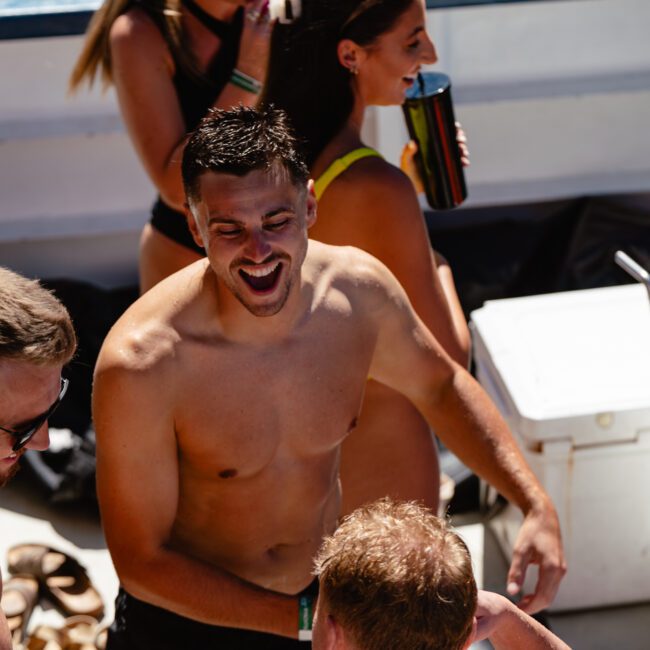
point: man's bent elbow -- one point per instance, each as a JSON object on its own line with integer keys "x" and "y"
{"x": 138, "y": 571}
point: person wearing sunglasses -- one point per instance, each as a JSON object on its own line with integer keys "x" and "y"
{"x": 36, "y": 340}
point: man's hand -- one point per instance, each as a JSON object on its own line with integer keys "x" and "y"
{"x": 538, "y": 542}
{"x": 507, "y": 627}
{"x": 490, "y": 609}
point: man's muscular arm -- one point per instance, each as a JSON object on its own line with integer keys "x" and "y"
{"x": 138, "y": 490}
{"x": 409, "y": 359}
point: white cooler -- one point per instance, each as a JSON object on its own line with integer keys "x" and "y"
{"x": 571, "y": 374}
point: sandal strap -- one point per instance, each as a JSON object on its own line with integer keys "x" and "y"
{"x": 30, "y": 561}
{"x": 28, "y": 593}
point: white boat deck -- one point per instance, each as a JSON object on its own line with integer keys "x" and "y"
{"x": 26, "y": 517}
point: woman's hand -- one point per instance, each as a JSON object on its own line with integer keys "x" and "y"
{"x": 408, "y": 166}
{"x": 255, "y": 40}
{"x": 407, "y": 159}
{"x": 461, "y": 138}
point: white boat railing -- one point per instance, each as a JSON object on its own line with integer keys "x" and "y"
{"x": 554, "y": 96}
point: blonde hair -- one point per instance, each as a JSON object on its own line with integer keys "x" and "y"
{"x": 34, "y": 325}
{"x": 95, "y": 55}
{"x": 393, "y": 575}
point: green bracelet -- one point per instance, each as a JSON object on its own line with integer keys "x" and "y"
{"x": 305, "y": 617}
{"x": 246, "y": 82}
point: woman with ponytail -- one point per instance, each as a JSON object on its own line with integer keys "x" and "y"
{"x": 330, "y": 59}
{"x": 170, "y": 62}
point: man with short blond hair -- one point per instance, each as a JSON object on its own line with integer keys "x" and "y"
{"x": 393, "y": 575}
{"x": 36, "y": 340}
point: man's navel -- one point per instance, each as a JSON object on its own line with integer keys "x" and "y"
{"x": 228, "y": 473}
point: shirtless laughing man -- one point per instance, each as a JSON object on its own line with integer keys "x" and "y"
{"x": 223, "y": 394}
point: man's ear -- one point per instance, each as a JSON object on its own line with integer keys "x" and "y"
{"x": 472, "y": 634}
{"x": 312, "y": 204}
{"x": 350, "y": 55}
{"x": 335, "y": 635}
{"x": 192, "y": 225}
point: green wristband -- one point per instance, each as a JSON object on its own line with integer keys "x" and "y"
{"x": 305, "y": 617}
{"x": 245, "y": 82}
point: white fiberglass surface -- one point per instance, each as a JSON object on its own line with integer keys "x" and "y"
{"x": 572, "y": 353}
{"x": 27, "y": 7}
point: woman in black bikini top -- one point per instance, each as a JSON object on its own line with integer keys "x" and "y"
{"x": 170, "y": 62}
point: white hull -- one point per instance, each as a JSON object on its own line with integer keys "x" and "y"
{"x": 554, "y": 96}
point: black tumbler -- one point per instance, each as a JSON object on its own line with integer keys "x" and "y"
{"x": 429, "y": 115}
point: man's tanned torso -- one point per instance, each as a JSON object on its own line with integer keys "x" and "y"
{"x": 257, "y": 423}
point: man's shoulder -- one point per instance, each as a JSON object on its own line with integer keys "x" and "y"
{"x": 147, "y": 336}
{"x": 137, "y": 345}
{"x": 349, "y": 268}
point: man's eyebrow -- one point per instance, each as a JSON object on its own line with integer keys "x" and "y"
{"x": 231, "y": 221}
{"x": 218, "y": 218}
{"x": 280, "y": 210}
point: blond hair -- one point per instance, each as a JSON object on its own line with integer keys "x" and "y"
{"x": 393, "y": 575}
{"x": 96, "y": 52}
{"x": 34, "y": 324}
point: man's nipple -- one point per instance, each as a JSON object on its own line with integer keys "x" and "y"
{"x": 228, "y": 473}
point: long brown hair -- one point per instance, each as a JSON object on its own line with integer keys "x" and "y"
{"x": 96, "y": 53}
{"x": 305, "y": 77}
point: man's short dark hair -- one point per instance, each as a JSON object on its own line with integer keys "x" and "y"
{"x": 239, "y": 141}
{"x": 393, "y": 575}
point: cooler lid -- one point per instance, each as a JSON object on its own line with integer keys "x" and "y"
{"x": 573, "y": 364}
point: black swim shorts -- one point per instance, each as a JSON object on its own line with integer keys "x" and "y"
{"x": 141, "y": 626}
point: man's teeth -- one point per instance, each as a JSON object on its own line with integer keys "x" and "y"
{"x": 261, "y": 271}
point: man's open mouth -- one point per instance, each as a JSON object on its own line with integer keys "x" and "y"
{"x": 262, "y": 278}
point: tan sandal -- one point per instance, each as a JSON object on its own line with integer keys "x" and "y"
{"x": 63, "y": 580}
{"x": 19, "y": 596}
{"x": 101, "y": 639}
{"x": 79, "y": 633}
{"x": 44, "y": 637}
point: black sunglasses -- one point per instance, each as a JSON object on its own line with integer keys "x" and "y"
{"x": 25, "y": 434}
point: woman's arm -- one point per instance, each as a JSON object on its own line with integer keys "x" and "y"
{"x": 373, "y": 206}
{"x": 143, "y": 72}
{"x": 458, "y": 317}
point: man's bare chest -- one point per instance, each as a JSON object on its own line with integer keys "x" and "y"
{"x": 244, "y": 408}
